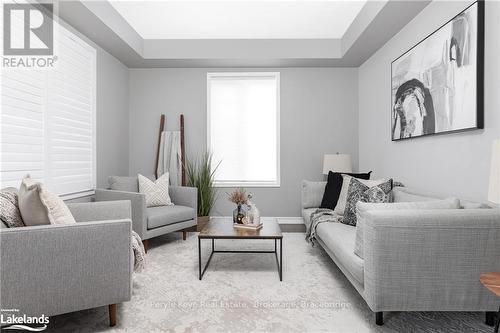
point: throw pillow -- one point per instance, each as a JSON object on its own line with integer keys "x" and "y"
{"x": 364, "y": 193}
{"x": 156, "y": 192}
{"x": 334, "y": 186}
{"x": 9, "y": 209}
{"x": 340, "y": 208}
{"x": 31, "y": 207}
{"x": 120, "y": 183}
{"x": 403, "y": 196}
{"x": 57, "y": 210}
{"x": 39, "y": 206}
{"x": 363, "y": 208}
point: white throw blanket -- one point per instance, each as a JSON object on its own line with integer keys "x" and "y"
{"x": 170, "y": 158}
{"x": 321, "y": 215}
{"x": 139, "y": 253}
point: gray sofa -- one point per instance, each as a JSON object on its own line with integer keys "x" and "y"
{"x": 56, "y": 269}
{"x": 151, "y": 222}
{"x": 415, "y": 260}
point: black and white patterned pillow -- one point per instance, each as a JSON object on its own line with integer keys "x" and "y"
{"x": 360, "y": 192}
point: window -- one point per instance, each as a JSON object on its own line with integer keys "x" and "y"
{"x": 48, "y": 120}
{"x": 243, "y": 128}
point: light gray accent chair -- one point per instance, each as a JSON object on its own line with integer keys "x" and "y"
{"x": 56, "y": 269}
{"x": 415, "y": 260}
{"x": 151, "y": 222}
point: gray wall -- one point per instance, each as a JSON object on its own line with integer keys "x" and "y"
{"x": 112, "y": 117}
{"x": 448, "y": 164}
{"x": 318, "y": 115}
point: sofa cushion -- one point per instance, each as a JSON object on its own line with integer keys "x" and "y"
{"x": 127, "y": 184}
{"x": 164, "y": 215}
{"x": 466, "y": 204}
{"x": 363, "y": 208}
{"x": 402, "y": 194}
{"x": 306, "y": 215}
{"x": 312, "y": 193}
{"x": 340, "y": 238}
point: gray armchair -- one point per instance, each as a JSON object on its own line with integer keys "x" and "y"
{"x": 151, "y": 222}
{"x": 70, "y": 267}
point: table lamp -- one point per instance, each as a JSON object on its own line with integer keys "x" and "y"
{"x": 337, "y": 163}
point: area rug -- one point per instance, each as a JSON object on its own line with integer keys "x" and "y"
{"x": 242, "y": 293}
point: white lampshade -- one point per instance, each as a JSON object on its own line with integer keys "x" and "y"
{"x": 337, "y": 163}
{"x": 494, "y": 192}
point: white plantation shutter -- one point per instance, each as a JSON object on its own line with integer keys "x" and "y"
{"x": 22, "y": 139}
{"x": 70, "y": 122}
{"x": 48, "y": 120}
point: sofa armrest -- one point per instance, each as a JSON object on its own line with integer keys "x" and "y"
{"x": 184, "y": 196}
{"x": 312, "y": 193}
{"x": 54, "y": 269}
{"x": 138, "y": 206}
{"x": 101, "y": 211}
{"x": 430, "y": 259}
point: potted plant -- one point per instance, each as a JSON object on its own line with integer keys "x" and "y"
{"x": 200, "y": 174}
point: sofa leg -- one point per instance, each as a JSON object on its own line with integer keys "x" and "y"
{"x": 145, "y": 243}
{"x": 379, "y": 318}
{"x": 112, "y": 315}
{"x": 489, "y": 318}
{"x": 184, "y": 234}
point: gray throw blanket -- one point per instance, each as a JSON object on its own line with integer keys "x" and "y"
{"x": 321, "y": 215}
{"x": 139, "y": 253}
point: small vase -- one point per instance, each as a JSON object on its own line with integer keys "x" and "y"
{"x": 238, "y": 215}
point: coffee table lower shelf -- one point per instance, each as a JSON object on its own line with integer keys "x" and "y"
{"x": 279, "y": 261}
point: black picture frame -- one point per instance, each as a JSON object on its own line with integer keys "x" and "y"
{"x": 479, "y": 73}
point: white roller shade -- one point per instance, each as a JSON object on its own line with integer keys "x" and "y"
{"x": 243, "y": 128}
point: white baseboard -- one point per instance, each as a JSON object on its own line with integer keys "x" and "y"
{"x": 280, "y": 220}
{"x": 290, "y": 220}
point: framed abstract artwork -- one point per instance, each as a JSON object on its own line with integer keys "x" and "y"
{"x": 437, "y": 85}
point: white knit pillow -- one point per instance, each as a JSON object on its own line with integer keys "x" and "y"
{"x": 156, "y": 192}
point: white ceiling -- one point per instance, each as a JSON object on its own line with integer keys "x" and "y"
{"x": 258, "y": 19}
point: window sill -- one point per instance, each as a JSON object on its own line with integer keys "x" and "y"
{"x": 77, "y": 195}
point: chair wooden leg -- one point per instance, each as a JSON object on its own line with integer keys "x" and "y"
{"x": 112, "y": 315}
{"x": 184, "y": 234}
{"x": 490, "y": 318}
{"x": 145, "y": 243}
{"x": 379, "y": 318}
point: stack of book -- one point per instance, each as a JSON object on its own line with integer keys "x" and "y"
{"x": 247, "y": 226}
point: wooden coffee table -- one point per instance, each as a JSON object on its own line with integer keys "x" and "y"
{"x": 222, "y": 228}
